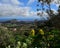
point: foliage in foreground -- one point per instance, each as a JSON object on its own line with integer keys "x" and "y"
{"x": 41, "y": 39}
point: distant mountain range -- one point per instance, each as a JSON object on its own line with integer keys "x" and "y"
{"x": 16, "y": 21}
{"x": 20, "y": 21}
{"x": 2, "y": 19}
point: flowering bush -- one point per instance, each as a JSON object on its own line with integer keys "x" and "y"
{"x": 42, "y": 39}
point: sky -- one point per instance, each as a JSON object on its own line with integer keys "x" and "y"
{"x": 22, "y": 9}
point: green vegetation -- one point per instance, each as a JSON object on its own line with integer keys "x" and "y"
{"x": 32, "y": 38}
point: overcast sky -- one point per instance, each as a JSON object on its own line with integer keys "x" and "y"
{"x": 24, "y": 8}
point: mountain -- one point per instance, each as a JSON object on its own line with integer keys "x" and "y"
{"x": 9, "y": 21}
{"x": 17, "y": 21}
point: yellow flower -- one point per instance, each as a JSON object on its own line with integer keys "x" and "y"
{"x": 41, "y": 32}
{"x": 32, "y": 32}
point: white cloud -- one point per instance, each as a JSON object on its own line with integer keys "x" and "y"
{"x": 13, "y": 2}
{"x": 16, "y": 2}
{"x": 31, "y": 1}
{"x": 9, "y": 10}
{"x": 12, "y": 8}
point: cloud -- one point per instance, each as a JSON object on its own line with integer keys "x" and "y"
{"x": 13, "y": 2}
{"x": 12, "y": 8}
{"x": 57, "y": 2}
{"x": 9, "y": 10}
{"x": 31, "y": 1}
{"x": 16, "y": 2}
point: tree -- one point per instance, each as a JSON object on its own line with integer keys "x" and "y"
{"x": 48, "y": 3}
